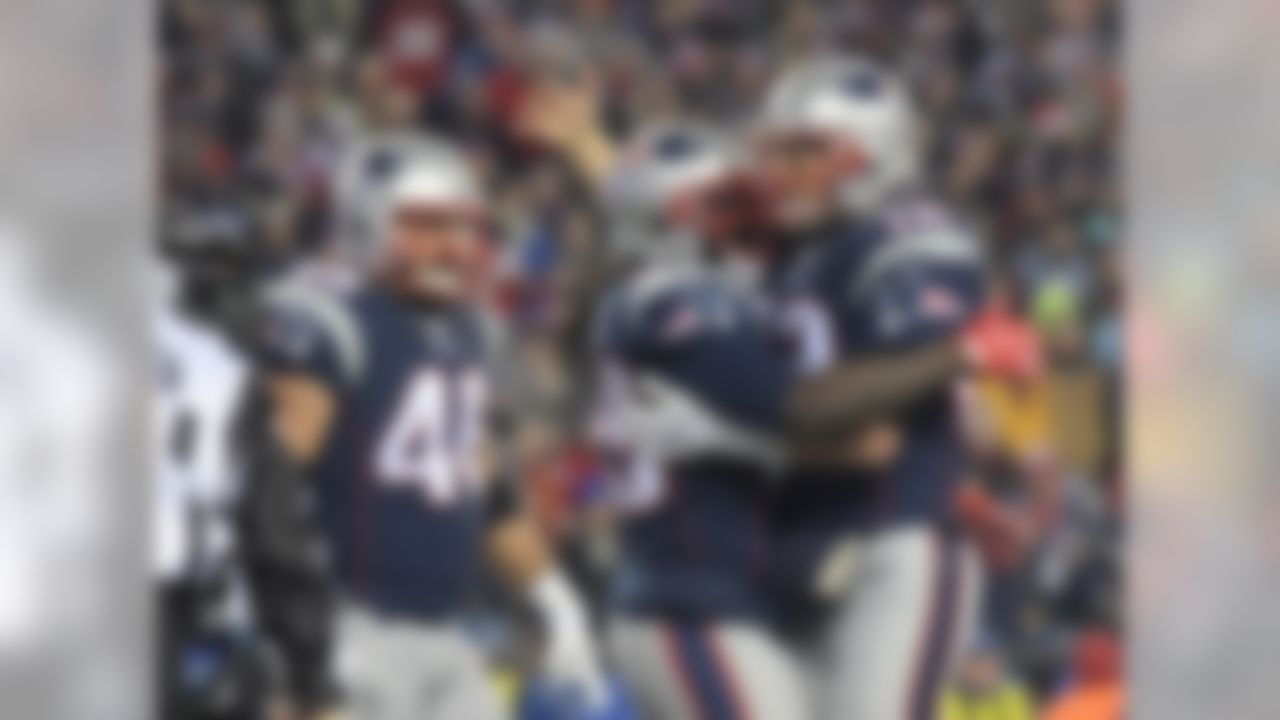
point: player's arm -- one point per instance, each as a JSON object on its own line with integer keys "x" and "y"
{"x": 284, "y": 560}
{"x": 521, "y": 554}
{"x": 916, "y": 322}
{"x": 303, "y": 411}
{"x": 518, "y": 550}
{"x": 859, "y": 392}
{"x": 563, "y": 113}
{"x": 727, "y": 389}
{"x": 856, "y": 393}
{"x": 286, "y": 425}
{"x": 311, "y": 349}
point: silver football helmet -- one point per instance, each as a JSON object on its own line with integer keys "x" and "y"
{"x": 860, "y": 105}
{"x": 385, "y": 176}
{"x": 659, "y": 187}
{"x": 386, "y": 173}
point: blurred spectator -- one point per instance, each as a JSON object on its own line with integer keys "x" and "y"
{"x": 984, "y": 690}
{"x": 1098, "y": 691}
{"x": 415, "y": 39}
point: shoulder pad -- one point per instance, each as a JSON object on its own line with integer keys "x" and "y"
{"x": 649, "y": 305}
{"x": 327, "y": 313}
{"x": 935, "y": 244}
{"x": 649, "y": 286}
{"x": 660, "y": 281}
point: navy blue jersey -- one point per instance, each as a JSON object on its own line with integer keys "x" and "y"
{"x": 905, "y": 279}
{"x": 695, "y": 489}
{"x": 398, "y": 483}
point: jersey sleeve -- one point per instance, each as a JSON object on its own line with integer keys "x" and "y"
{"x": 312, "y": 332}
{"x": 913, "y": 292}
{"x": 712, "y": 346}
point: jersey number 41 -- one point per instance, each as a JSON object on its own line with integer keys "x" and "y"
{"x": 433, "y": 441}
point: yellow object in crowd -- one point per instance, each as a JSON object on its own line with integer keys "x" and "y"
{"x": 1063, "y": 413}
{"x": 1019, "y": 415}
{"x": 1007, "y": 701}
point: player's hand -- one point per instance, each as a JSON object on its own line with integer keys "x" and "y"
{"x": 872, "y": 448}
{"x": 564, "y": 115}
{"x": 1001, "y": 345}
{"x": 876, "y": 446}
{"x": 570, "y": 658}
{"x": 558, "y": 111}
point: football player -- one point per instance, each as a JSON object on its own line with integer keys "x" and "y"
{"x": 689, "y": 415}
{"x": 386, "y": 396}
{"x": 236, "y": 556}
{"x": 831, "y": 417}
{"x": 876, "y": 286}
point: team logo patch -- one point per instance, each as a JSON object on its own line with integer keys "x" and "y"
{"x": 939, "y": 303}
{"x": 291, "y": 337}
{"x": 682, "y": 323}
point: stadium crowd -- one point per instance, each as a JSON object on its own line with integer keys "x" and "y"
{"x": 1023, "y": 102}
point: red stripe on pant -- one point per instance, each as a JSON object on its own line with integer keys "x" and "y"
{"x": 694, "y": 654}
{"x": 732, "y": 684}
{"x": 934, "y": 644}
{"x": 683, "y": 674}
